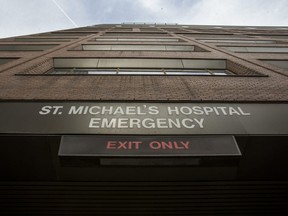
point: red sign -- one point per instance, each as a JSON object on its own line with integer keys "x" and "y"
{"x": 140, "y": 146}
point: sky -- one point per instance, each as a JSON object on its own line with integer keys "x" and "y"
{"x": 22, "y": 17}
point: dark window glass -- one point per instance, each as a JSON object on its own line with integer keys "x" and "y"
{"x": 215, "y": 64}
{"x": 42, "y": 39}
{"x": 138, "y": 47}
{"x": 5, "y": 60}
{"x": 29, "y": 47}
{"x": 257, "y": 49}
{"x": 159, "y": 40}
{"x": 279, "y": 63}
{"x": 238, "y": 41}
{"x": 137, "y": 71}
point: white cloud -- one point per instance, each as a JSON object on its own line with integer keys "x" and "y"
{"x": 215, "y": 12}
{"x": 152, "y": 5}
{"x": 238, "y": 12}
{"x": 31, "y": 16}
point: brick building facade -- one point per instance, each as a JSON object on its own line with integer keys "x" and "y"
{"x": 194, "y": 69}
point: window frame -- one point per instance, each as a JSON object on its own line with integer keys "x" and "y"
{"x": 140, "y": 72}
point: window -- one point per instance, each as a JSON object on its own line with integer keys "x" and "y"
{"x": 141, "y": 72}
{"x": 72, "y": 33}
{"x": 208, "y": 34}
{"x": 29, "y": 47}
{"x": 139, "y": 63}
{"x": 122, "y": 29}
{"x": 43, "y": 39}
{"x": 270, "y": 36}
{"x": 237, "y": 41}
{"x": 279, "y": 63}
{"x": 139, "y": 47}
{"x": 150, "y": 30}
{"x": 138, "y": 39}
{"x": 152, "y": 34}
{"x": 106, "y": 66}
{"x": 68, "y": 34}
{"x": 5, "y": 60}
{"x": 257, "y": 49}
